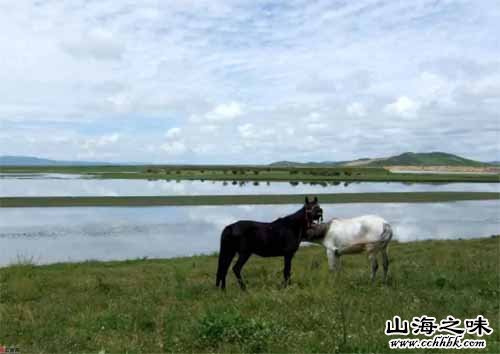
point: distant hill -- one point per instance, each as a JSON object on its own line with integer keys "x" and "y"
{"x": 427, "y": 159}
{"x": 405, "y": 159}
{"x": 36, "y": 161}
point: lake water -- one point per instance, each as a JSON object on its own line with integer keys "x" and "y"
{"x": 33, "y": 185}
{"x": 47, "y": 235}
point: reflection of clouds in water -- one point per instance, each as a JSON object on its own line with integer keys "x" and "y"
{"x": 106, "y": 242}
{"x": 210, "y": 215}
{"x": 405, "y": 232}
{"x": 222, "y": 216}
{"x": 121, "y": 187}
{"x": 61, "y": 234}
{"x": 168, "y": 187}
{"x": 246, "y": 208}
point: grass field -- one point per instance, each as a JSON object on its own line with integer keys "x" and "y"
{"x": 396, "y": 197}
{"x": 153, "y": 306}
{"x": 253, "y": 173}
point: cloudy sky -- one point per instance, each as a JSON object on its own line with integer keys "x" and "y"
{"x": 248, "y": 81}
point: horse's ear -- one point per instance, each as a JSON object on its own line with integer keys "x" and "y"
{"x": 306, "y": 201}
{"x": 315, "y": 199}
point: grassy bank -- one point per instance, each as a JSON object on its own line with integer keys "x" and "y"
{"x": 253, "y": 173}
{"x": 397, "y": 197}
{"x": 172, "y": 305}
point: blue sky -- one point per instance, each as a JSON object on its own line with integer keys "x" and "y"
{"x": 248, "y": 81}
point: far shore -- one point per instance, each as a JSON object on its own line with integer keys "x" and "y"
{"x": 428, "y": 174}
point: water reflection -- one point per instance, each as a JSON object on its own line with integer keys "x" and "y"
{"x": 49, "y": 235}
{"x": 62, "y": 185}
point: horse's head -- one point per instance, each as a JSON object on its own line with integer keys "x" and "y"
{"x": 314, "y": 213}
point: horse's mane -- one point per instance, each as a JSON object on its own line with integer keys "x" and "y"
{"x": 288, "y": 218}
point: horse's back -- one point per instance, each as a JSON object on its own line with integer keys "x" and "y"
{"x": 358, "y": 230}
{"x": 264, "y": 239}
{"x": 244, "y": 226}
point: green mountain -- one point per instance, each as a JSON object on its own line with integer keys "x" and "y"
{"x": 426, "y": 159}
{"x": 405, "y": 159}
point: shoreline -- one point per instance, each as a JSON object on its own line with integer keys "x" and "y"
{"x": 305, "y": 244}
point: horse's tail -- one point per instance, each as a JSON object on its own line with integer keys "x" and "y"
{"x": 386, "y": 235}
{"x": 226, "y": 255}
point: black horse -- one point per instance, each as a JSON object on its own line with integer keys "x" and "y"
{"x": 281, "y": 237}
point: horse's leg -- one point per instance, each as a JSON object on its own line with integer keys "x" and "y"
{"x": 287, "y": 269}
{"x": 374, "y": 264}
{"x": 385, "y": 263}
{"x": 242, "y": 259}
{"x": 333, "y": 259}
{"x": 225, "y": 262}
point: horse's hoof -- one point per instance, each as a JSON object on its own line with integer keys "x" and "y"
{"x": 286, "y": 284}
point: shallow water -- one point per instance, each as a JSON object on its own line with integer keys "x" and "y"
{"x": 33, "y": 185}
{"x": 48, "y": 235}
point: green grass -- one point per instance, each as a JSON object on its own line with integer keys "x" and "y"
{"x": 252, "y": 173}
{"x": 153, "y": 306}
{"x": 396, "y": 197}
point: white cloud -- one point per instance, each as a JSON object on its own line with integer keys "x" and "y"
{"x": 83, "y": 70}
{"x": 204, "y": 148}
{"x": 120, "y": 102}
{"x": 225, "y": 112}
{"x": 487, "y": 88}
{"x": 173, "y": 133}
{"x": 246, "y": 130}
{"x": 356, "y": 109}
{"x": 313, "y": 117}
{"x": 174, "y": 147}
{"x": 94, "y": 147}
{"x": 97, "y": 44}
{"x": 175, "y": 144}
{"x": 210, "y": 128}
{"x": 263, "y": 137}
{"x": 317, "y": 127}
{"x": 403, "y": 107}
{"x": 109, "y": 139}
{"x": 100, "y": 141}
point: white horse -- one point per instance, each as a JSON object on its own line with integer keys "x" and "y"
{"x": 368, "y": 233}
